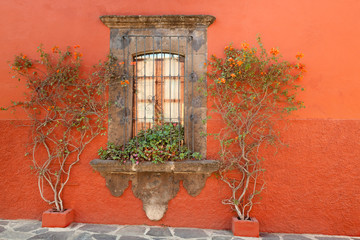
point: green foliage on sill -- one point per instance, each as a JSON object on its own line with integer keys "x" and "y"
{"x": 158, "y": 144}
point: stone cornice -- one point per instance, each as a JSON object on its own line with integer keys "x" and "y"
{"x": 157, "y": 21}
{"x": 187, "y": 166}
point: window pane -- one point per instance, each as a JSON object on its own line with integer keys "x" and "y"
{"x": 160, "y": 98}
{"x": 171, "y": 67}
{"x": 171, "y": 90}
{"x": 171, "y": 115}
{"x": 145, "y": 89}
{"x": 145, "y": 67}
{"x": 145, "y": 111}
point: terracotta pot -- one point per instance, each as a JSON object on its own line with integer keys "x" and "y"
{"x": 51, "y": 218}
{"x": 245, "y": 228}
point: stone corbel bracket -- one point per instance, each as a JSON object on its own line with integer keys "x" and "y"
{"x": 155, "y": 184}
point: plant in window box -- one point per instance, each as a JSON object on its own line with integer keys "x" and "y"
{"x": 67, "y": 109}
{"x": 163, "y": 142}
{"x": 251, "y": 89}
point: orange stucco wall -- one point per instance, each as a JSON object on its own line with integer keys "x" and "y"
{"x": 313, "y": 186}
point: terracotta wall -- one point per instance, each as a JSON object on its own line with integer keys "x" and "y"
{"x": 313, "y": 185}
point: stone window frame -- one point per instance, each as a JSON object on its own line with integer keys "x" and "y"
{"x": 157, "y": 184}
{"x": 194, "y": 27}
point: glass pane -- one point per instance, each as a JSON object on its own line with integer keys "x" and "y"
{"x": 145, "y": 111}
{"x": 145, "y": 89}
{"x": 145, "y": 67}
{"x": 171, "y": 115}
{"x": 171, "y": 67}
{"x": 171, "y": 90}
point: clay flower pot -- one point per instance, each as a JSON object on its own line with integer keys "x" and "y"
{"x": 245, "y": 228}
{"x": 52, "y": 218}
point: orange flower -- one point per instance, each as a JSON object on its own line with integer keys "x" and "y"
{"x": 204, "y": 63}
{"x": 262, "y": 73}
{"x": 77, "y": 55}
{"x": 239, "y": 63}
{"x": 126, "y": 81}
{"x": 245, "y": 46}
{"x": 301, "y": 67}
{"x": 239, "y": 72}
{"x": 55, "y": 49}
{"x": 222, "y": 80}
{"x": 122, "y": 83}
{"x": 230, "y": 59}
{"x": 274, "y": 51}
{"x": 23, "y": 57}
{"x": 226, "y": 47}
{"x": 299, "y": 55}
{"x": 58, "y": 71}
{"x": 76, "y": 46}
{"x": 231, "y": 48}
{"x": 233, "y": 75}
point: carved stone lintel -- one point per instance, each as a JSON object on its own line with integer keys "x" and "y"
{"x": 157, "y": 21}
{"x": 155, "y": 184}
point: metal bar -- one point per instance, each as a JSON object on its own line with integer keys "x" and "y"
{"x": 170, "y": 74}
{"x": 153, "y": 82}
{"x": 127, "y": 70}
{"x": 156, "y": 36}
{"x": 186, "y": 120}
{"x": 192, "y": 96}
{"x": 162, "y": 79}
{"x": 135, "y": 88}
{"x": 179, "y": 86}
{"x": 125, "y": 95}
{"x": 145, "y": 83}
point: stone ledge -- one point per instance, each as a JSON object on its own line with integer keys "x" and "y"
{"x": 155, "y": 184}
{"x": 157, "y": 21}
{"x": 188, "y": 166}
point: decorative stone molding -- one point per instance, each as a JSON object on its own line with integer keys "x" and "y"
{"x": 157, "y": 21}
{"x": 185, "y": 35}
{"x": 155, "y": 184}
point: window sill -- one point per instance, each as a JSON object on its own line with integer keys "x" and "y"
{"x": 155, "y": 184}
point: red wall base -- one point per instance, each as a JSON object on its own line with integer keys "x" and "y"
{"x": 312, "y": 180}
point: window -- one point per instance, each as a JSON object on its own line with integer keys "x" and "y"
{"x": 163, "y": 59}
{"x": 158, "y": 90}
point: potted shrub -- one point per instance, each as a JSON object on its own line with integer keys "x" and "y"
{"x": 67, "y": 109}
{"x": 251, "y": 90}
